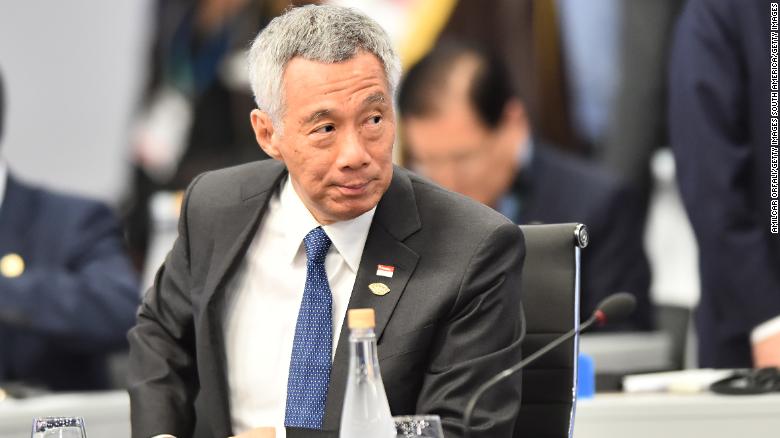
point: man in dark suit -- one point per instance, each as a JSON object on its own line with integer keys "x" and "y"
{"x": 256, "y": 242}
{"x": 67, "y": 288}
{"x": 719, "y": 120}
{"x": 466, "y": 128}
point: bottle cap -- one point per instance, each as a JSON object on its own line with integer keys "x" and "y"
{"x": 361, "y": 318}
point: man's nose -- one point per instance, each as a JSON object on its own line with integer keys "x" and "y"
{"x": 353, "y": 152}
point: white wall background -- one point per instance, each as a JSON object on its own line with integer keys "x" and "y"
{"x": 72, "y": 71}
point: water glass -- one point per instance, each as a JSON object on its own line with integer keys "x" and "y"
{"x": 426, "y": 426}
{"x": 58, "y": 427}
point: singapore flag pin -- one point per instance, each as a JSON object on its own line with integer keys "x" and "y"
{"x": 385, "y": 270}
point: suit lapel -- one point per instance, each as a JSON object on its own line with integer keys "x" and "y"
{"x": 396, "y": 218}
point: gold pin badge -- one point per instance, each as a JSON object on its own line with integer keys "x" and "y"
{"x": 11, "y": 265}
{"x": 379, "y": 289}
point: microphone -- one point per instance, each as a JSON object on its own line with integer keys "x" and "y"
{"x": 611, "y": 309}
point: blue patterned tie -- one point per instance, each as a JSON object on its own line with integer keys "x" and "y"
{"x": 307, "y": 383}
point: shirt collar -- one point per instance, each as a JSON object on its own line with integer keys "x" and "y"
{"x": 509, "y": 203}
{"x": 348, "y": 237}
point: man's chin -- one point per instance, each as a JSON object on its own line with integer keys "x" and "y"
{"x": 352, "y": 213}
{"x": 350, "y": 210}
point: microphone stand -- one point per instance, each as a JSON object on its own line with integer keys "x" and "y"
{"x": 597, "y": 316}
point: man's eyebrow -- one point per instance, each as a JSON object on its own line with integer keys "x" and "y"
{"x": 316, "y": 115}
{"x": 374, "y": 98}
{"x": 377, "y": 97}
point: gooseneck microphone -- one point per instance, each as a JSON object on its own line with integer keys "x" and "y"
{"x": 611, "y": 309}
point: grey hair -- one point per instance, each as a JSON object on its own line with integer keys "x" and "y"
{"x": 326, "y": 34}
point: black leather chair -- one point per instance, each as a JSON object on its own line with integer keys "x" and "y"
{"x": 550, "y": 292}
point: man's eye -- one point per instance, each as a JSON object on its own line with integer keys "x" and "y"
{"x": 375, "y": 120}
{"x": 325, "y": 129}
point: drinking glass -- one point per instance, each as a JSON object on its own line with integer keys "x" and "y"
{"x": 58, "y": 427}
{"x": 426, "y": 426}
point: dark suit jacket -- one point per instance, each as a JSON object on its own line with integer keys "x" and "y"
{"x": 450, "y": 322}
{"x": 719, "y": 126}
{"x": 77, "y": 296}
{"x": 557, "y": 188}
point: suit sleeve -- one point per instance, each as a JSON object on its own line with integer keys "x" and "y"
{"x": 162, "y": 375}
{"x": 481, "y": 339}
{"x": 89, "y": 299}
{"x": 715, "y": 153}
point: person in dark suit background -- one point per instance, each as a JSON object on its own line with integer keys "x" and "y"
{"x": 68, "y": 290}
{"x": 466, "y": 128}
{"x": 719, "y": 119}
{"x": 526, "y": 35}
{"x": 220, "y": 322}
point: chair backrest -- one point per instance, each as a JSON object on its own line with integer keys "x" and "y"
{"x": 550, "y": 293}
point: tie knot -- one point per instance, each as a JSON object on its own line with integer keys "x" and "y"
{"x": 317, "y": 245}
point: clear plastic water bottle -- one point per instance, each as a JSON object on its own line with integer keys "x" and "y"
{"x": 366, "y": 413}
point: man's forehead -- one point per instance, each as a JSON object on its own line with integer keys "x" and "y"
{"x": 446, "y": 112}
{"x": 449, "y": 101}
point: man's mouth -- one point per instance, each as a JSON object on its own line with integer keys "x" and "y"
{"x": 353, "y": 188}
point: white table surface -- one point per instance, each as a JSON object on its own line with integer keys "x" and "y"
{"x": 678, "y": 415}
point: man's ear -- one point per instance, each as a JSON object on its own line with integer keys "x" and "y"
{"x": 265, "y": 134}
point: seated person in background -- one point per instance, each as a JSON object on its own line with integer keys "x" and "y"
{"x": 68, "y": 293}
{"x": 244, "y": 325}
{"x": 466, "y": 129}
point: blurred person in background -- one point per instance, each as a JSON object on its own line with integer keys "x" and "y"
{"x": 637, "y": 128}
{"x": 68, "y": 292}
{"x": 526, "y": 35}
{"x": 467, "y": 129}
{"x": 194, "y": 109}
{"x": 719, "y": 119}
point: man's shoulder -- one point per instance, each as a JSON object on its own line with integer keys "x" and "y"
{"x": 586, "y": 188}
{"x": 237, "y": 183}
{"x": 438, "y": 205}
{"x": 578, "y": 173}
{"x": 56, "y": 203}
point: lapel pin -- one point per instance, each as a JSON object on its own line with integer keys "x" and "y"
{"x": 385, "y": 271}
{"x": 11, "y": 265}
{"x": 379, "y": 289}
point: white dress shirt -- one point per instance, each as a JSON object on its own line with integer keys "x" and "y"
{"x": 264, "y": 300}
{"x": 765, "y": 330}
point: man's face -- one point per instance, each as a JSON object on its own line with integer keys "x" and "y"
{"x": 458, "y": 151}
{"x": 339, "y": 129}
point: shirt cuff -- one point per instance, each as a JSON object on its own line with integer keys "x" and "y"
{"x": 765, "y": 330}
